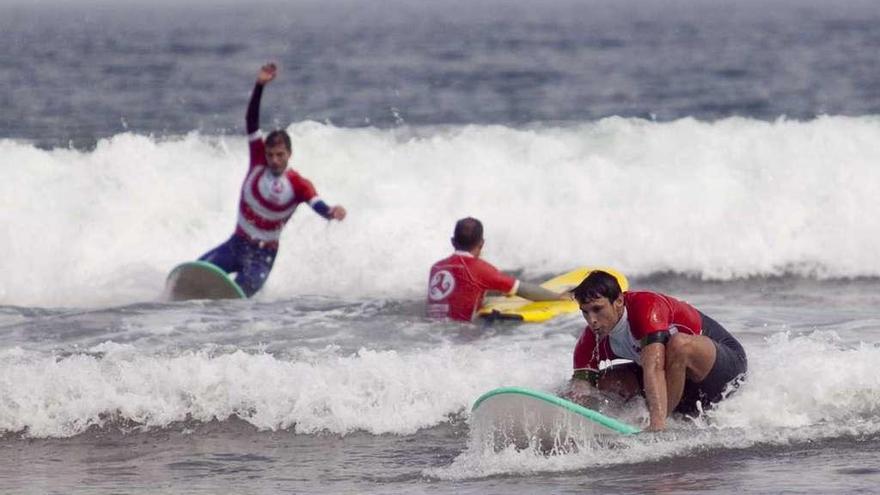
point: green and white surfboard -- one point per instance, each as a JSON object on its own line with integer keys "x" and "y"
{"x": 524, "y": 417}
{"x": 200, "y": 280}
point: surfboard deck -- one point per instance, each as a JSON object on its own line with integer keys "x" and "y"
{"x": 200, "y": 280}
{"x": 527, "y": 418}
{"x": 517, "y": 308}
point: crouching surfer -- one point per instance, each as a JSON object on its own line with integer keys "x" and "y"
{"x": 682, "y": 360}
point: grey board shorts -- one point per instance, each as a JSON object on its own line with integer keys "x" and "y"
{"x": 723, "y": 379}
{"x": 726, "y": 374}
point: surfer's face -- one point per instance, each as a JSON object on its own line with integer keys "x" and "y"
{"x": 277, "y": 157}
{"x": 602, "y": 314}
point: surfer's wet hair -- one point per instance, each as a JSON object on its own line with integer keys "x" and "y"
{"x": 597, "y": 285}
{"x": 468, "y": 234}
{"x": 278, "y": 137}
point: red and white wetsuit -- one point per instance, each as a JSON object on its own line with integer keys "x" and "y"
{"x": 268, "y": 201}
{"x": 457, "y": 285}
{"x": 644, "y": 313}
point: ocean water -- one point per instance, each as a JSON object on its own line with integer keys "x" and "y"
{"x": 723, "y": 153}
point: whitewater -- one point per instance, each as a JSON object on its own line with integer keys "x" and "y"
{"x": 763, "y": 225}
{"x": 721, "y": 200}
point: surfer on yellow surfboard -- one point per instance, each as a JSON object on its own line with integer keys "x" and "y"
{"x": 457, "y": 284}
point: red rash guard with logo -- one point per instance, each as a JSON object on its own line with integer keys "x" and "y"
{"x": 458, "y": 283}
{"x": 644, "y": 313}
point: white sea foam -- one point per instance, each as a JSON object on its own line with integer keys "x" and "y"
{"x": 724, "y": 199}
{"x": 799, "y": 388}
{"x": 371, "y": 390}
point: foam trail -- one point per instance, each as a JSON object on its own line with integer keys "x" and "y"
{"x": 725, "y": 199}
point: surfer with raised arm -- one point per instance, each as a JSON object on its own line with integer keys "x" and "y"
{"x": 684, "y": 361}
{"x": 457, "y": 284}
{"x": 269, "y": 196}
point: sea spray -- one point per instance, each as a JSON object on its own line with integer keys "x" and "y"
{"x": 718, "y": 200}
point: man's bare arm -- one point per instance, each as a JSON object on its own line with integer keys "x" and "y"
{"x": 534, "y": 292}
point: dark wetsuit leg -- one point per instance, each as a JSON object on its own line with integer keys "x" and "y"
{"x": 256, "y": 264}
{"x": 250, "y": 262}
{"x": 730, "y": 366}
{"x": 227, "y": 256}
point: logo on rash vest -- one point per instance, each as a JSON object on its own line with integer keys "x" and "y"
{"x": 441, "y": 285}
{"x": 276, "y": 188}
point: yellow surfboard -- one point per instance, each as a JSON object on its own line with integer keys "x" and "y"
{"x": 517, "y": 308}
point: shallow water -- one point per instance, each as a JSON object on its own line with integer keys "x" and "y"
{"x": 353, "y": 397}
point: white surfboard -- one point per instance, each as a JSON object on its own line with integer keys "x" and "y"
{"x": 200, "y": 280}
{"x": 527, "y": 418}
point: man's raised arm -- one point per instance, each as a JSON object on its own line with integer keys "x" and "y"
{"x": 267, "y": 74}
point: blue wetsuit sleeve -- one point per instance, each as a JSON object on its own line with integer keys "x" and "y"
{"x": 322, "y": 209}
{"x": 253, "y": 111}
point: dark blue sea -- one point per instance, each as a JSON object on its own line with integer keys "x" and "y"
{"x": 723, "y": 152}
